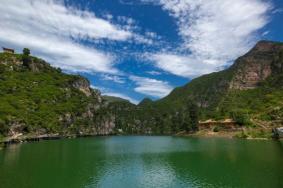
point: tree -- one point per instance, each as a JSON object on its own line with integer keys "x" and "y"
{"x": 166, "y": 124}
{"x": 186, "y": 124}
{"x": 194, "y": 119}
{"x": 240, "y": 117}
{"x": 176, "y": 123}
{"x": 26, "y": 51}
{"x": 2, "y": 68}
{"x": 26, "y": 57}
{"x": 4, "y": 128}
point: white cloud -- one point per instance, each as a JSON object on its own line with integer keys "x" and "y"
{"x": 123, "y": 96}
{"x": 113, "y": 78}
{"x": 214, "y": 32}
{"x": 265, "y": 33}
{"x": 154, "y": 73}
{"x": 181, "y": 65}
{"x": 151, "y": 87}
{"x": 277, "y": 11}
{"x": 127, "y": 20}
{"x": 100, "y": 88}
{"x": 53, "y": 17}
{"x": 50, "y": 29}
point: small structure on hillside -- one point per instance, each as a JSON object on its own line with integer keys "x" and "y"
{"x": 8, "y": 50}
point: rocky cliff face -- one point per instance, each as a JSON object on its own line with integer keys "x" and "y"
{"x": 83, "y": 85}
{"x": 38, "y": 99}
{"x": 255, "y": 66}
{"x": 253, "y": 86}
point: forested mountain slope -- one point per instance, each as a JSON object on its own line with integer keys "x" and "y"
{"x": 36, "y": 98}
{"x": 252, "y": 88}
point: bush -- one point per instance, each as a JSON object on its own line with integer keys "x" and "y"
{"x": 26, "y": 58}
{"x": 3, "y": 127}
{"x": 242, "y": 134}
{"x": 216, "y": 129}
{"x": 26, "y": 51}
{"x": 2, "y": 68}
{"x": 241, "y": 118}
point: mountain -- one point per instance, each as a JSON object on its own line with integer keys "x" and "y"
{"x": 112, "y": 99}
{"x": 259, "y": 69}
{"x": 250, "y": 91}
{"x": 37, "y": 99}
{"x": 145, "y": 102}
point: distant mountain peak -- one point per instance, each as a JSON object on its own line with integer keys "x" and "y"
{"x": 266, "y": 46}
{"x": 256, "y": 66}
{"x": 145, "y": 101}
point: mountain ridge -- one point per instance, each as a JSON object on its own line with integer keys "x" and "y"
{"x": 38, "y": 99}
{"x": 257, "y": 74}
{"x": 265, "y": 46}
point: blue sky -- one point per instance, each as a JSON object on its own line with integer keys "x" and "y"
{"x": 139, "y": 48}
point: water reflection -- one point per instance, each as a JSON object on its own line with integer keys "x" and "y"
{"x": 135, "y": 164}
{"x": 143, "y": 162}
{"x": 11, "y": 157}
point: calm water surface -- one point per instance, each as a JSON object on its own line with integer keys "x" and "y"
{"x": 142, "y": 162}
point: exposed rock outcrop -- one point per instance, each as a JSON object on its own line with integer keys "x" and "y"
{"x": 229, "y": 93}
{"x": 83, "y": 85}
{"x": 44, "y": 101}
{"x": 255, "y": 66}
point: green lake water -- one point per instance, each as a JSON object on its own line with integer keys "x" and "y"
{"x": 140, "y": 161}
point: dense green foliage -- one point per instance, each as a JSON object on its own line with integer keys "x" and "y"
{"x": 36, "y": 97}
{"x": 215, "y": 99}
{"x": 145, "y": 118}
{"x": 112, "y": 99}
{"x": 25, "y": 57}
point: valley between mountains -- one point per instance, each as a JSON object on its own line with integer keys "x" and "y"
{"x": 245, "y": 100}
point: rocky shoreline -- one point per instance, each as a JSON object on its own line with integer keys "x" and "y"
{"x": 36, "y": 138}
{"x": 200, "y": 134}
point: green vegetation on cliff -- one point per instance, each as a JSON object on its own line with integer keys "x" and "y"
{"x": 36, "y": 98}
{"x": 250, "y": 90}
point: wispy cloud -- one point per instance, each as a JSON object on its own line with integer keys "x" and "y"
{"x": 53, "y": 31}
{"x": 154, "y": 73}
{"x": 114, "y": 78}
{"x": 181, "y": 65}
{"x": 277, "y": 11}
{"x": 214, "y": 33}
{"x": 151, "y": 87}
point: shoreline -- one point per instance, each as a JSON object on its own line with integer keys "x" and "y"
{"x": 236, "y": 134}
{"x": 200, "y": 134}
{"x": 37, "y": 138}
